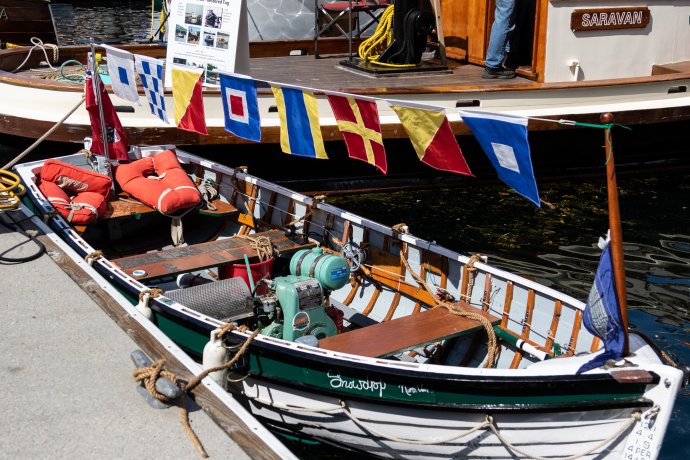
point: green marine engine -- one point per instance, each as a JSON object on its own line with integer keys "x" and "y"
{"x": 295, "y": 305}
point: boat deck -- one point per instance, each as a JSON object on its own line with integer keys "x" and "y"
{"x": 329, "y": 74}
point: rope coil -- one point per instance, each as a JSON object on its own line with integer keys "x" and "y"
{"x": 457, "y": 309}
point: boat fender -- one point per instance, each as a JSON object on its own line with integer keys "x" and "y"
{"x": 74, "y": 178}
{"x": 159, "y": 181}
{"x": 215, "y": 355}
{"x": 82, "y": 209}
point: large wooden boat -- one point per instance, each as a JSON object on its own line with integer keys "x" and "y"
{"x": 22, "y": 20}
{"x": 368, "y": 337}
{"x": 566, "y": 70}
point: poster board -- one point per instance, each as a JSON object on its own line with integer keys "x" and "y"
{"x": 208, "y": 34}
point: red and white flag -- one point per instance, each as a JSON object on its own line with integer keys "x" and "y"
{"x": 358, "y": 121}
{"x": 188, "y": 100}
{"x": 115, "y": 134}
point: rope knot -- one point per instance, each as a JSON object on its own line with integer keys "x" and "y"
{"x": 152, "y": 293}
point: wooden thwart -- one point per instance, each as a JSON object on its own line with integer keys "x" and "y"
{"x": 204, "y": 255}
{"x": 394, "y": 336}
{"x": 122, "y": 205}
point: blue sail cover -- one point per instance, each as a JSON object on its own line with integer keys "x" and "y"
{"x": 602, "y": 315}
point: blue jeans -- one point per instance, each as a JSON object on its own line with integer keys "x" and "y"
{"x": 501, "y": 30}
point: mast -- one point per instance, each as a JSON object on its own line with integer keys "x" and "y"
{"x": 96, "y": 79}
{"x": 615, "y": 228}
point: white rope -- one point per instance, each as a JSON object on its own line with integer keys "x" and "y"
{"x": 634, "y": 418}
{"x": 411, "y": 441}
{"x": 488, "y": 423}
{"x": 38, "y": 43}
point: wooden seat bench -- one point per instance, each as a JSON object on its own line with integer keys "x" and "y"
{"x": 397, "y": 335}
{"x": 200, "y": 256}
{"x": 123, "y": 205}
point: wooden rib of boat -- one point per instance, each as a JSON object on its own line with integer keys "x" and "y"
{"x": 413, "y": 372}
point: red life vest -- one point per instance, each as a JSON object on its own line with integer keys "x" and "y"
{"x": 91, "y": 190}
{"x": 159, "y": 181}
{"x": 74, "y": 178}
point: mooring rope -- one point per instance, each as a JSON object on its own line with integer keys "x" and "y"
{"x": 38, "y": 43}
{"x": 91, "y": 257}
{"x": 149, "y": 375}
{"x": 30, "y": 148}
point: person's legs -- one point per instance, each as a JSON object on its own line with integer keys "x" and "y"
{"x": 501, "y": 29}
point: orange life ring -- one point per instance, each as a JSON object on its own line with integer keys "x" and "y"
{"x": 159, "y": 181}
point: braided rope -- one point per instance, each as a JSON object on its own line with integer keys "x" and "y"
{"x": 152, "y": 293}
{"x": 93, "y": 256}
{"x": 261, "y": 244}
{"x": 634, "y": 418}
{"x": 457, "y": 309}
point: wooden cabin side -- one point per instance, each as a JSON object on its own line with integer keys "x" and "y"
{"x": 20, "y": 20}
{"x": 572, "y": 40}
{"x": 467, "y": 28}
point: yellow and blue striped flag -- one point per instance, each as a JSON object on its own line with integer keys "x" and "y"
{"x": 300, "y": 131}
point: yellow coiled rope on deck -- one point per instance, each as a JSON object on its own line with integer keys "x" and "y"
{"x": 371, "y": 48}
{"x": 11, "y": 190}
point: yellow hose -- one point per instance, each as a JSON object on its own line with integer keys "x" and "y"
{"x": 10, "y": 190}
{"x": 371, "y": 48}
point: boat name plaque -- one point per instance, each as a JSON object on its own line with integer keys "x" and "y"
{"x": 634, "y": 17}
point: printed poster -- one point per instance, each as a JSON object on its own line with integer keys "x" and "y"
{"x": 208, "y": 34}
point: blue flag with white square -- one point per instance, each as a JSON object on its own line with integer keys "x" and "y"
{"x": 504, "y": 140}
{"x": 602, "y": 316}
{"x": 241, "y": 106}
{"x": 150, "y": 72}
{"x": 121, "y": 72}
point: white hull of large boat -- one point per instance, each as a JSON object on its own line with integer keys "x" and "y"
{"x": 554, "y": 101}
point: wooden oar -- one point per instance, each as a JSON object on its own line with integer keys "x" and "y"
{"x": 615, "y": 227}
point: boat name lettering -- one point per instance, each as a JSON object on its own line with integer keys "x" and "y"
{"x": 356, "y": 384}
{"x": 609, "y": 18}
{"x": 409, "y": 391}
{"x": 3, "y": 14}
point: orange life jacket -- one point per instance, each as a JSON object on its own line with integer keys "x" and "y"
{"x": 74, "y": 178}
{"x": 159, "y": 181}
{"x": 81, "y": 209}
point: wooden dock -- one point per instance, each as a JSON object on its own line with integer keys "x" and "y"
{"x": 77, "y": 388}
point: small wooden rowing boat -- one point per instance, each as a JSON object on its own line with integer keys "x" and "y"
{"x": 333, "y": 326}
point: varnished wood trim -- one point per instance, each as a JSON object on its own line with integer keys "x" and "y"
{"x": 558, "y": 306}
{"x": 506, "y": 304}
{"x": 577, "y": 324}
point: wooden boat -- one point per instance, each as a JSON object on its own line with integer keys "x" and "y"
{"x": 22, "y": 20}
{"x": 565, "y": 72}
{"x": 370, "y": 338}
